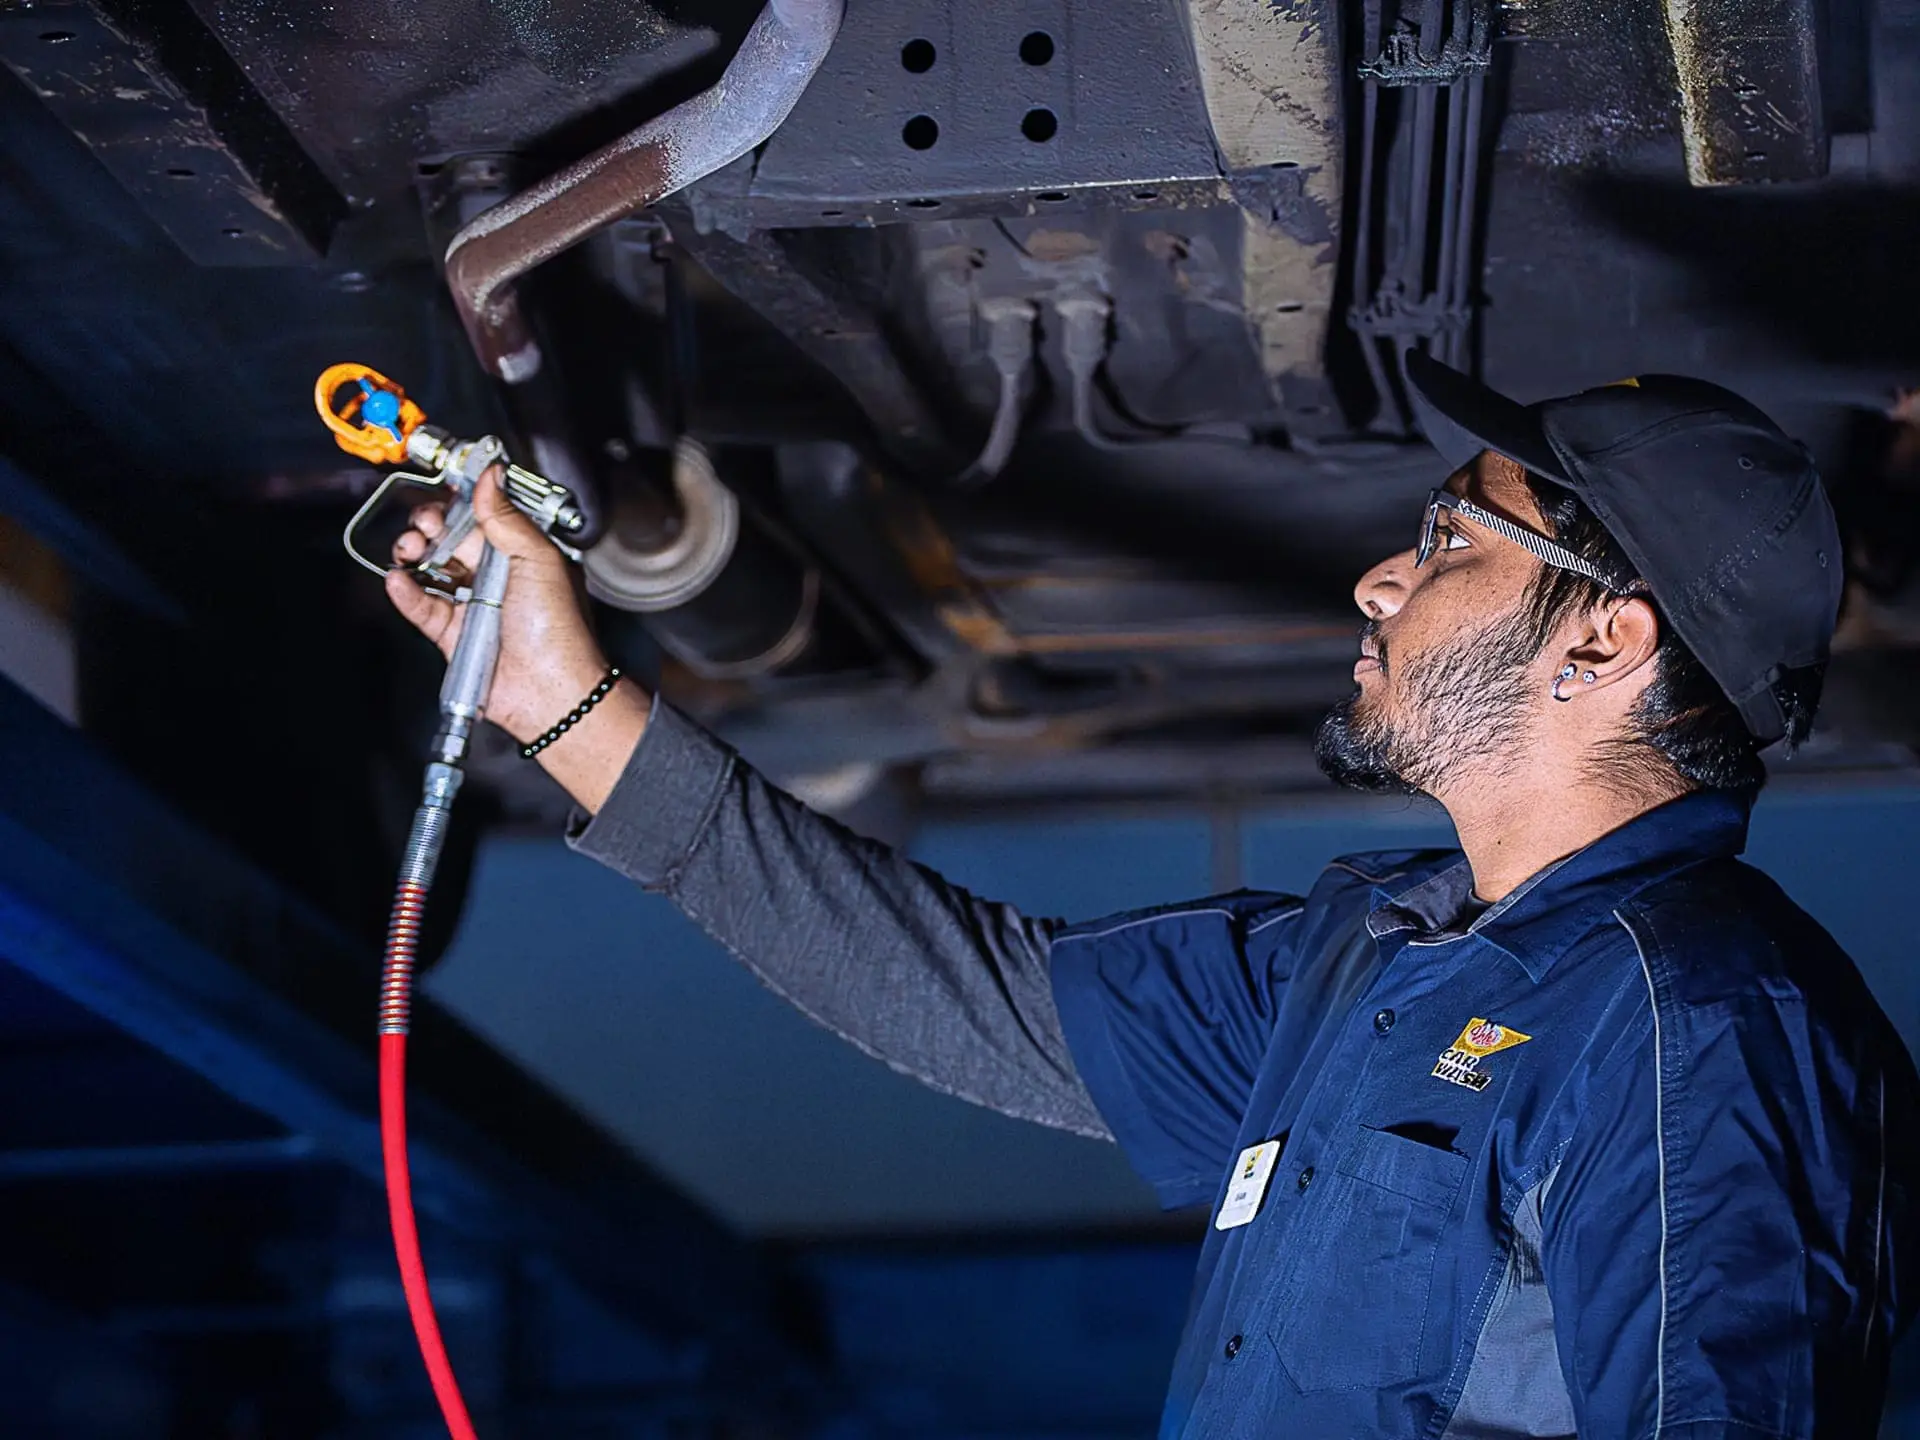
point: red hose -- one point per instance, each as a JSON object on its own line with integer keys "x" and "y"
{"x": 396, "y": 998}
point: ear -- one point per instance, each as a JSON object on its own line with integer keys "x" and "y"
{"x": 1617, "y": 645}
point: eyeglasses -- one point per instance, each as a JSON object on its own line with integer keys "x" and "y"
{"x": 1548, "y": 552}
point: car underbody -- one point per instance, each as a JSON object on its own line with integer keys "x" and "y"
{"x": 1009, "y": 426}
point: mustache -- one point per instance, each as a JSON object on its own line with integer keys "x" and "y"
{"x": 1373, "y": 643}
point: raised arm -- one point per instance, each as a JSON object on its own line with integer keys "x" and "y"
{"x": 943, "y": 986}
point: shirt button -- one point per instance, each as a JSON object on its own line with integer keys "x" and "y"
{"x": 1383, "y": 1022}
{"x": 1232, "y": 1347}
{"x": 1306, "y": 1177}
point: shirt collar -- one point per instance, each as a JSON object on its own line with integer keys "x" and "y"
{"x": 1543, "y": 917}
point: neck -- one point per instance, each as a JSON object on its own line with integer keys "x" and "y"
{"x": 1513, "y": 826}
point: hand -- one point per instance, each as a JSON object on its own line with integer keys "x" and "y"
{"x": 549, "y": 660}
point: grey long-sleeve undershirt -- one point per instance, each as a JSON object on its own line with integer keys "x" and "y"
{"x": 941, "y": 985}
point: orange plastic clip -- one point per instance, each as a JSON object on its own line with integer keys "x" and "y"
{"x": 352, "y": 432}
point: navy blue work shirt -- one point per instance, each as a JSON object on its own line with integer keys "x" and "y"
{"x": 1623, "y": 1155}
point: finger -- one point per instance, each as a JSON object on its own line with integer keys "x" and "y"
{"x": 409, "y": 547}
{"x": 429, "y": 520}
{"x": 507, "y": 529}
{"x": 433, "y": 617}
{"x": 472, "y": 548}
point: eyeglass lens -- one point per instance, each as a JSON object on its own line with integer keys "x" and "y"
{"x": 1429, "y": 526}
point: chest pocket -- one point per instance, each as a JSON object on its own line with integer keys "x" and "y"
{"x": 1350, "y": 1309}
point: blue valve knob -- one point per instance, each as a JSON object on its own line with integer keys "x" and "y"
{"x": 382, "y": 408}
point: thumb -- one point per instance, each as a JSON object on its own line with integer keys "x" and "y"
{"x": 507, "y": 529}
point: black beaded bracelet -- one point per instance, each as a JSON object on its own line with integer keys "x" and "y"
{"x": 574, "y": 716}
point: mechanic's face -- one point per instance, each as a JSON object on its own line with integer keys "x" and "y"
{"x": 1447, "y": 670}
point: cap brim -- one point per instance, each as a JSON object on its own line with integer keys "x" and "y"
{"x": 1461, "y": 417}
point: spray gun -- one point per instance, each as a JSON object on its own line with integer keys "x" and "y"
{"x": 372, "y": 418}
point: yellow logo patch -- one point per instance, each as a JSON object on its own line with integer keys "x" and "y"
{"x": 1483, "y": 1037}
{"x": 1460, "y": 1062}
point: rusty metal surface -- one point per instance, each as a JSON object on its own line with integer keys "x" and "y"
{"x": 373, "y": 88}
{"x": 761, "y": 85}
{"x": 1271, "y": 77}
{"x": 1749, "y": 88}
{"x": 174, "y": 122}
{"x": 1587, "y": 82}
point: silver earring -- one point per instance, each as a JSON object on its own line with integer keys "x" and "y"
{"x": 1560, "y": 679}
{"x": 1588, "y": 678}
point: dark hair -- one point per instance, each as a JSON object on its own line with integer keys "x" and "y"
{"x": 1684, "y": 723}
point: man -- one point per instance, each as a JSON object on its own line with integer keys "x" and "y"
{"x": 1587, "y": 1131}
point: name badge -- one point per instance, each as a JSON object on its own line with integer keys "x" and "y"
{"x": 1249, "y": 1185}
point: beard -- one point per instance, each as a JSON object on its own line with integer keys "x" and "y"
{"x": 1462, "y": 709}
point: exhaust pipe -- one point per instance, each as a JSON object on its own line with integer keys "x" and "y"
{"x": 761, "y": 86}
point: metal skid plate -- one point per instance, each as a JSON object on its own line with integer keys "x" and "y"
{"x": 114, "y": 88}
{"x": 929, "y": 110}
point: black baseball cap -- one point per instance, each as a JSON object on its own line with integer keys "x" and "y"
{"x": 1721, "y": 512}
